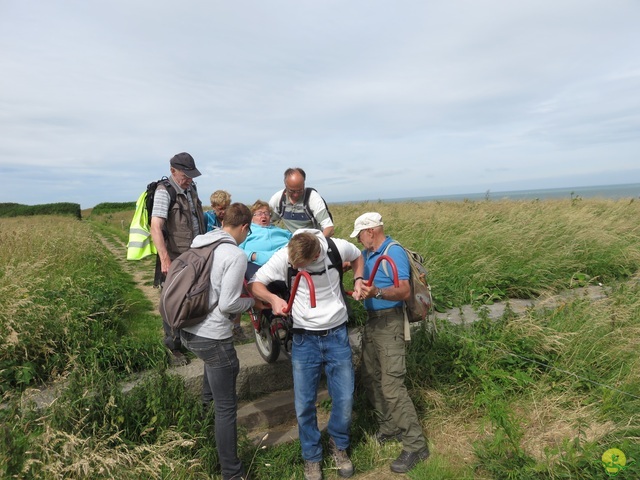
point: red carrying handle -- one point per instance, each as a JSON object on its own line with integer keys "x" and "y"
{"x": 294, "y": 289}
{"x": 394, "y": 269}
{"x": 396, "y": 282}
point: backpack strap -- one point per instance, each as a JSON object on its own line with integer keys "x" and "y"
{"x": 305, "y": 201}
{"x": 384, "y": 265}
{"x": 283, "y": 198}
{"x": 170, "y": 189}
{"x": 307, "y": 209}
{"x": 305, "y": 206}
{"x": 336, "y": 262}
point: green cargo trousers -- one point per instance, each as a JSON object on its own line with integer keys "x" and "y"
{"x": 383, "y": 373}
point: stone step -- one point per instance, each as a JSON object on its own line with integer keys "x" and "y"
{"x": 256, "y": 377}
{"x": 271, "y": 419}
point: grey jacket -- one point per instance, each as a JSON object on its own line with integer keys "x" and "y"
{"x": 227, "y": 275}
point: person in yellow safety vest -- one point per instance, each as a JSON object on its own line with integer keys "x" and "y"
{"x": 140, "y": 244}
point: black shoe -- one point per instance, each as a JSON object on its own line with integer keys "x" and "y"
{"x": 242, "y": 477}
{"x": 383, "y": 438}
{"x": 178, "y": 359}
{"x": 407, "y": 460}
{"x": 239, "y": 335}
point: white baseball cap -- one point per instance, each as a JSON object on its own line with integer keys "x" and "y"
{"x": 366, "y": 220}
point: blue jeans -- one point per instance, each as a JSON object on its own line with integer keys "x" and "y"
{"x": 221, "y": 367}
{"x": 310, "y": 353}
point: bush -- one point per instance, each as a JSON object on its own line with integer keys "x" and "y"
{"x": 17, "y": 210}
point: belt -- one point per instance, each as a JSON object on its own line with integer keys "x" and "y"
{"x": 319, "y": 333}
{"x": 383, "y": 312}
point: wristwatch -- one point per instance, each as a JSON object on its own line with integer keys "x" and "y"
{"x": 379, "y": 294}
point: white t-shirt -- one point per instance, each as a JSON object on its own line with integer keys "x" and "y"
{"x": 330, "y": 310}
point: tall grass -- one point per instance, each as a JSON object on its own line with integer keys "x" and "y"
{"x": 540, "y": 395}
{"x": 63, "y": 302}
{"x": 479, "y": 252}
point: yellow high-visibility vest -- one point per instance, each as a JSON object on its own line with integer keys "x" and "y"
{"x": 140, "y": 243}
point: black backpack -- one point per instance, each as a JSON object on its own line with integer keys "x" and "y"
{"x": 305, "y": 204}
{"x": 184, "y": 300}
{"x": 151, "y": 192}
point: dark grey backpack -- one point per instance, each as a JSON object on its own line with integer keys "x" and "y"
{"x": 184, "y": 300}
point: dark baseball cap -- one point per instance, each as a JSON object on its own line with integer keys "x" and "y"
{"x": 186, "y": 164}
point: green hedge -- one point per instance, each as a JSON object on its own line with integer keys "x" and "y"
{"x": 112, "y": 207}
{"x": 18, "y": 210}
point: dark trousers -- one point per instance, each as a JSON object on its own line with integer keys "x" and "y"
{"x": 221, "y": 367}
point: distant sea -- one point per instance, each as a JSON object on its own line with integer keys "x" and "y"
{"x": 629, "y": 190}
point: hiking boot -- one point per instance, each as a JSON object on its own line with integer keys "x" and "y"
{"x": 341, "y": 459}
{"x": 178, "y": 359}
{"x": 245, "y": 476}
{"x": 312, "y": 470}
{"x": 407, "y": 460}
{"x": 238, "y": 334}
{"x": 383, "y": 438}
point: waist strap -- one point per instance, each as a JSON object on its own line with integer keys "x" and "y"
{"x": 384, "y": 312}
{"x": 319, "y": 333}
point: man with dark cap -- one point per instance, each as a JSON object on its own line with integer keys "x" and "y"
{"x": 174, "y": 225}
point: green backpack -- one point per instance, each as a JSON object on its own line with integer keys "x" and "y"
{"x": 419, "y": 305}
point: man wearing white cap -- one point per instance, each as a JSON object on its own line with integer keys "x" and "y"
{"x": 176, "y": 219}
{"x": 383, "y": 343}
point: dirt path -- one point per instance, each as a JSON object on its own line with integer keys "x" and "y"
{"x": 139, "y": 274}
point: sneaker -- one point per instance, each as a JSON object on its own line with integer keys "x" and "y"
{"x": 312, "y": 470}
{"x": 340, "y": 457}
{"x": 238, "y": 334}
{"x": 178, "y": 359}
{"x": 407, "y": 460}
{"x": 383, "y": 438}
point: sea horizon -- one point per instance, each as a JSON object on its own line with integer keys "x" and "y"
{"x": 614, "y": 192}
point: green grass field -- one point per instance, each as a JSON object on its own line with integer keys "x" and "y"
{"x": 536, "y": 396}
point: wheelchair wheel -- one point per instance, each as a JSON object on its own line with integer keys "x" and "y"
{"x": 285, "y": 336}
{"x": 268, "y": 348}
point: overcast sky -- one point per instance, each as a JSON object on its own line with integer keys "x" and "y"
{"x": 374, "y": 99}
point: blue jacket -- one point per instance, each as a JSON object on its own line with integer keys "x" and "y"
{"x": 212, "y": 220}
{"x": 264, "y": 242}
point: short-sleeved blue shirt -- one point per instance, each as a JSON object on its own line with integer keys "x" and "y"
{"x": 382, "y": 279}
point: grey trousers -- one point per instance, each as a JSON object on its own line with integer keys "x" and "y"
{"x": 383, "y": 374}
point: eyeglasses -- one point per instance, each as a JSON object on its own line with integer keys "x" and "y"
{"x": 293, "y": 192}
{"x": 248, "y": 230}
{"x": 262, "y": 214}
{"x": 360, "y": 233}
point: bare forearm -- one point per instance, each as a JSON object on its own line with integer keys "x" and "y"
{"x": 328, "y": 231}
{"x": 158, "y": 240}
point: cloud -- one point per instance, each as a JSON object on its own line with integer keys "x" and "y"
{"x": 374, "y": 99}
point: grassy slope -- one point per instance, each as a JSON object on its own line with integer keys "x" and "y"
{"x": 540, "y": 396}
